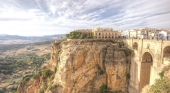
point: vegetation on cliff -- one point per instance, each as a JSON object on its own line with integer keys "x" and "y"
{"x": 78, "y": 35}
{"x": 45, "y": 75}
{"x": 161, "y": 85}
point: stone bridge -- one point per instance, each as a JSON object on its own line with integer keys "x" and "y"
{"x": 149, "y": 57}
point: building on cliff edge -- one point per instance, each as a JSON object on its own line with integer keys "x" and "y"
{"x": 98, "y": 33}
{"x": 105, "y": 33}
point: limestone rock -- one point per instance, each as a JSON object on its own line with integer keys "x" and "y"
{"x": 83, "y": 66}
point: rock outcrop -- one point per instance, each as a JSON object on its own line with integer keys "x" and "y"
{"x": 83, "y": 66}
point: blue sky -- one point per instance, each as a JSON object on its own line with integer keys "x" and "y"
{"x": 47, "y": 17}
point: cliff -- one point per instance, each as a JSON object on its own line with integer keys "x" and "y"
{"x": 83, "y": 66}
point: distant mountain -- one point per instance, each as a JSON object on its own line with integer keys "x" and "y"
{"x": 15, "y": 39}
{"x": 3, "y": 34}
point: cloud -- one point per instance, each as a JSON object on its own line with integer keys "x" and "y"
{"x": 62, "y": 16}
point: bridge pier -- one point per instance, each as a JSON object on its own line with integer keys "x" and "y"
{"x": 142, "y": 72}
{"x": 154, "y": 74}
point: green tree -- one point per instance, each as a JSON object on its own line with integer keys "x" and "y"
{"x": 161, "y": 86}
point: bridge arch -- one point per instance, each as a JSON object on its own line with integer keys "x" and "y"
{"x": 166, "y": 55}
{"x": 135, "y": 45}
{"x": 146, "y": 63}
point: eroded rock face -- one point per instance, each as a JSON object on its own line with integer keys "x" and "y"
{"x": 84, "y": 66}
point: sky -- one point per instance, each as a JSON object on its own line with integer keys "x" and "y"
{"x": 48, "y": 17}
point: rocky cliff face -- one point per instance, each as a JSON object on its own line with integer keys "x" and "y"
{"x": 82, "y": 66}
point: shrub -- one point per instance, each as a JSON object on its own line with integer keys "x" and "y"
{"x": 37, "y": 75}
{"x": 2, "y": 90}
{"x": 52, "y": 77}
{"x": 13, "y": 90}
{"x": 26, "y": 78}
{"x": 101, "y": 72}
{"x": 46, "y": 73}
{"x": 83, "y": 36}
{"x": 127, "y": 52}
{"x": 45, "y": 86}
{"x": 161, "y": 86}
{"x": 67, "y": 35}
{"x": 127, "y": 76}
{"x": 41, "y": 90}
{"x": 52, "y": 86}
{"x": 64, "y": 39}
{"x": 57, "y": 52}
{"x": 103, "y": 88}
{"x": 55, "y": 69}
{"x": 161, "y": 74}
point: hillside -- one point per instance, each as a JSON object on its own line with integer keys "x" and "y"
{"x": 19, "y": 60}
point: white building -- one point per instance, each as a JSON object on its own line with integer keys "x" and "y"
{"x": 133, "y": 33}
{"x": 125, "y": 33}
{"x": 164, "y": 35}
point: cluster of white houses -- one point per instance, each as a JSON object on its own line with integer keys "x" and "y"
{"x": 109, "y": 33}
{"x": 147, "y": 33}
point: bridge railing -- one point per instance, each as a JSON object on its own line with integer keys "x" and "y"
{"x": 149, "y": 38}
